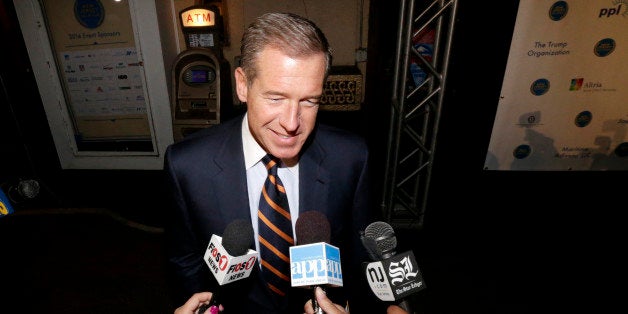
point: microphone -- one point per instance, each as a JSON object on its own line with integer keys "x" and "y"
{"x": 314, "y": 262}
{"x": 229, "y": 257}
{"x": 392, "y": 277}
{"x": 379, "y": 240}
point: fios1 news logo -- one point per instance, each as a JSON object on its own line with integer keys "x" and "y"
{"x": 227, "y": 268}
{"x": 315, "y": 264}
{"x": 217, "y": 260}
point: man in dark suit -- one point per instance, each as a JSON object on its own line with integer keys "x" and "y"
{"x": 215, "y": 175}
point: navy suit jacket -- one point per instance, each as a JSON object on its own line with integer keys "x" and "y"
{"x": 206, "y": 181}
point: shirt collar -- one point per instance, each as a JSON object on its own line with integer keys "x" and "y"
{"x": 253, "y": 152}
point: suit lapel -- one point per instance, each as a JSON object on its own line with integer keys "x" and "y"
{"x": 313, "y": 180}
{"x": 232, "y": 192}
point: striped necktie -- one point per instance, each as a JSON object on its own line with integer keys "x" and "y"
{"x": 275, "y": 230}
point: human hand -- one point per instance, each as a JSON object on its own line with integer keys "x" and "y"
{"x": 196, "y": 302}
{"x": 394, "y": 309}
{"x": 324, "y": 303}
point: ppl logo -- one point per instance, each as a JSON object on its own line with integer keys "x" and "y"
{"x": 620, "y": 9}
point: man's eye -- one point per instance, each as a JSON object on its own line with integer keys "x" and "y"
{"x": 310, "y": 102}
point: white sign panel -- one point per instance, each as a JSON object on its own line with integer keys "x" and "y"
{"x": 563, "y": 100}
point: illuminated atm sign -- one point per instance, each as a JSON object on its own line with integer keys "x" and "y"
{"x": 198, "y": 17}
{"x": 202, "y": 26}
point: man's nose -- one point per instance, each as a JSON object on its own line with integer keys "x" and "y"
{"x": 290, "y": 117}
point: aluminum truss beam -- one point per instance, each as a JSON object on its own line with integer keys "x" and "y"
{"x": 415, "y": 111}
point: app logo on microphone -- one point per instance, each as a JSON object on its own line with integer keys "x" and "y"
{"x": 315, "y": 264}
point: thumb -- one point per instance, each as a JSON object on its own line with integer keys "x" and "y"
{"x": 321, "y": 297}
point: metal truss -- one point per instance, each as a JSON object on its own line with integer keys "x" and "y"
{"x": 416, "y": 109}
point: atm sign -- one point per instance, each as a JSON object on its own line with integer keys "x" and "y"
{"x": 198, "y": 18}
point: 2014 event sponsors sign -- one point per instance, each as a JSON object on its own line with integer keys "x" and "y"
{"x": 100, "y": 68}
{"x": 563, "y": 100}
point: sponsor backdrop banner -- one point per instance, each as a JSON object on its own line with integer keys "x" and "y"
{"x": 102, "y": 73}
{"x": 564, "y": 98}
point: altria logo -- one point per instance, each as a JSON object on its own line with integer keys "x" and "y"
{"x": 401, "y": 270}
{"x": 620, "y": 7}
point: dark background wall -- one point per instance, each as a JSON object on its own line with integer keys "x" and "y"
{"x": 540, "y": 237}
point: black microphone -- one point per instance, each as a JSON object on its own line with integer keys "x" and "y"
{"x": 391, "y": 276}
{"x": 379, "y": 240}
{"x": 314, "y": 262}
{"x": 229, "y": 257}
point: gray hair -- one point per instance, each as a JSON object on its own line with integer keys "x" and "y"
{"x": 292, "y": 34}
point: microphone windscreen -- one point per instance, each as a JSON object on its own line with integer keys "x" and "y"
{"x": 383, "y": 235}
{"x": 312, "y": 227}
{"x": 238, "y": 237}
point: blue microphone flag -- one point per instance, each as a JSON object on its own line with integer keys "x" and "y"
{"x": 315, "y": 264}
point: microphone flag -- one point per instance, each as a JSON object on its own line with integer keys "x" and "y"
{"x": 227, "y": 268}
{"x": 5, "y": 205}
{"x": 394, "y": 278}
{"x": 315, "y": 264}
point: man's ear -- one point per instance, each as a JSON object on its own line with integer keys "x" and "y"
{"x": 241, "y": 86}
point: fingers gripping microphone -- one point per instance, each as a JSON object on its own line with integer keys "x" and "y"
{"x": 314, "y": 262}
{"x": 392, "y": 277}
{"x": 229, "y": 257}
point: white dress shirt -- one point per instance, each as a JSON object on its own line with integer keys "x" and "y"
{"x": 256, "y": 174}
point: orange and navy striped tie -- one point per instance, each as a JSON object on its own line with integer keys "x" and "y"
{"x": 275, "y": 230}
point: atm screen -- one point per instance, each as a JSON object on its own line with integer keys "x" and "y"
{"x": 199, "y": 76}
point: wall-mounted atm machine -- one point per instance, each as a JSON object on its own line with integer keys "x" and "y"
{"x": 196, "y": 91}
{"x": 201, "y": 77}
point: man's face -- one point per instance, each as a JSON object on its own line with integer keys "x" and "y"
{"x": 282, "y": 101}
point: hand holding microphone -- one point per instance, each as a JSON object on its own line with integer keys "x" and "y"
{"x": 229, "y": 258}
{"x": 314, "y": 262}
{"x": 332, "y": 308}
{"x": 196, "y": 303}
{"x": 324, "y": 303}
{"x": 392, "y": 277}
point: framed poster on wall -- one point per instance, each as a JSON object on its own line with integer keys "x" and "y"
{"x": 100, "y": 71}
{"x": 101, "y": 74}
